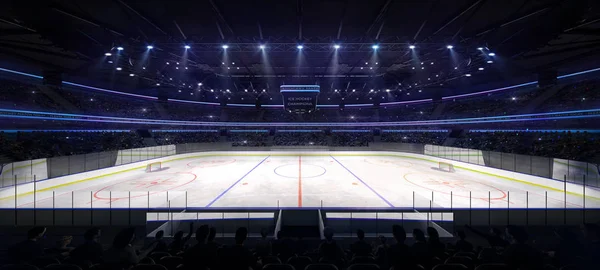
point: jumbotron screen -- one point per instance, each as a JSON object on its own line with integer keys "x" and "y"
{"x": 300, "y": 98}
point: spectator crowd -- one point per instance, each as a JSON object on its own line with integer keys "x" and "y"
{"x": 513, "y": 248}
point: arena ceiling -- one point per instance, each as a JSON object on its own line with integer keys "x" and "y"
{"x": 73, "y": 37}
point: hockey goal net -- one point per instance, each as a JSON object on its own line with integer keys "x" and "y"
{"x": 154, "y": 166}
{"x": 445, "y": 166}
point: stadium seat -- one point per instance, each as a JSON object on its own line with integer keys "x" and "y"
{"x": 45, "y": 261}
{"x": 156, "y": 256}
{"x": 452, "y": 266}
{"x": 299, "y": 262}
{"x": 270, "y": 260}
{"x": 148, "y": 267}
{"x": 466, "y": 261}
{"x": 492, "y": 266}
{"x": 85, "y": 265}
{"x": 147, "y": 260}
{"x": 171, "y": 262}
{"x": 321, "y": 266}
{"x": 572, "y": 267}
{"x": 489, "y": 255}
{"x": 363, "y": 260}
{"x": 18, "y": 267}
{"x": 409, "y": 267}
{"x": 278, "y": 267}
{"x": 466, "y": 254}
{"x": 363, "y": 266}
{"x": 62, "y": 267}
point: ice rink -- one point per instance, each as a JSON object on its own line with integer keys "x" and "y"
{"x": 290, "y": 179}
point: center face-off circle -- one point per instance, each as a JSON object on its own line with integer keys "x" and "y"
{"x": 308, "y": 171}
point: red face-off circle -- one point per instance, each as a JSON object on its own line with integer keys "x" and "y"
{"x": 152, "y": 183}
{"x": 456, "y": 187}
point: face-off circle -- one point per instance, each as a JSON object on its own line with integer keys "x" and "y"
{"x": 150, "y": 183}
{"x": 206, "y": 163}
{"x": 292, "y": 171}
{"x": 388, "y": 162}
{"x": 449, "y": 186}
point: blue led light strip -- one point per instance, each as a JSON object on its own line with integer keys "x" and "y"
{"x": 104, "y": 119}
{"x": 322, "y": 106}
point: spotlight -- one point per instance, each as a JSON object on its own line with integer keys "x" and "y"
{"x": 449, "y": 46}
{"x": 158, "y": 84}
{"x": 149, "y": 47}
{"x": 480, "y": 48}
{"x": 480, "y": 68}
{"x": 131, "y": 74}
{"x": 491, "y": 54}
{"x": 199, "y": 84}
{"x": 468, "y": 75}
{"x": 375, "y": 47}
{"x": 353, "y": 90}
{"x": 120, "y": 48}
{"x": 490, "y": 61}
{"x": 119, "y": 68}
{"x": 412, "y": 47}
{"x": 225, "y": 47}
{"x": 300, "y": 47}
{"x": 187, "y": 47}
{"x": 108, "y": 54}
{"x": 387, "y": 90}
{"x": 264, "y": 90}
{"x": 262, "y": 47}
{"x": 336, "y": 46}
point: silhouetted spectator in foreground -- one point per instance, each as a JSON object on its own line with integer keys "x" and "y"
{"x": 62, "y": 249}
{"x": 494, "y": 237}
{"x": 29, "y": 249}
{"x": 179, "y": 241}
{"x": 90, "y": 250}
{"x": 263, "y": 247}
{"x": 161, "y": 245}
{"x": 360, "y": 247}
{"x": 568, "y": 248}
{"x": 462, "y": 244}
{"x": 434, "y": 245}
{"x": 238, "y": 256}
{"x": 198, "y": 256}
{"x": 381, "y": 249}
{"x": 329, "y": 249}
{"x": 283, "y": 246}
{"x": 399, "y": 254}
{"x": 420, "y": 249}
{"x": 519, "y": 254}
{"x": 122, "y": 254}
{"x": 592, "y": 247}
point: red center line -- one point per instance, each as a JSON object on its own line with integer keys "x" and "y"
{"x": 299, "y": 181}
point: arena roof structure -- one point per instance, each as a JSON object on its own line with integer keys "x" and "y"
{"x": 246, "y": 49}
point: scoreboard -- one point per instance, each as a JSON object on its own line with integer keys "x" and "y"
{"x": 300, "y": 98}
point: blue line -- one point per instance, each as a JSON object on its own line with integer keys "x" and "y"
{"x": 363, "y": 182}
{"x": 236, "y": 182}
